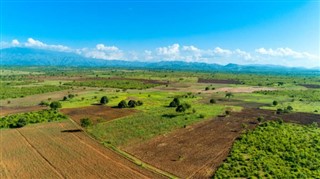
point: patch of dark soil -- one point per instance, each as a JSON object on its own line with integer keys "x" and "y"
{"x": 221, "y": 81}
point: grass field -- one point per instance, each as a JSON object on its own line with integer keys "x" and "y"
{"x": 189, "y": 139}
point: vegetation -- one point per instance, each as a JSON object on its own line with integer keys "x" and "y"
{"x": 16, "y": 92}
{"x": 277, "y": 150}
{"x": 55, "y": 105}
{"x": 20, "y": 120}
{"x": 175, "y": 102}
{"x": 104, "y": 100}
{"x": 85, "y": 122}
{"x": 113, "y": 83}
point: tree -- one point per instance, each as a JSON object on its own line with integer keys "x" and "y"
{"x": 122, "y": 104}
{"x": 207, "y": 88}
{"x": 275, "y": 103}
{"x": 290, "y": 108}
{"x": 132, "y": 103}
{"x": 180, "y": 108}
{"x": 175, "y": 102}
{"x": 104, "y": 100}
{"x": 85, "y": 122}
{"x": 229, "y": 95}
{"x": 65, "y": 98}
{"x": 183, "y": 107}
{"x": 212, "y": 101}
{"x": 55, "y": 105}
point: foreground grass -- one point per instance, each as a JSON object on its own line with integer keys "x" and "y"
{"x": 277, "y": 150}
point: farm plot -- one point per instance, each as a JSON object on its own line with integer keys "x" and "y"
{"x": 59, "y": 150}
{"x": 14, "y": 110}
{"x": 97, "y": 113}
{"x": 198, "y": 150}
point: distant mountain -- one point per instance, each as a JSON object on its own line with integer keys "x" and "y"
{"x": 38, "y": 57}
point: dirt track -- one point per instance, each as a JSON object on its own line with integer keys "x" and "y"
{"x": 198, "y": 150}
{"x": 52, "y": 150}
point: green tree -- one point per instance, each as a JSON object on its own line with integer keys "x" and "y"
{"x": 212, "y": 101}
{"x": 175, "y": 102}
{"x": 122, "y": 104}
{"x": 85, "y": 122}
{"x": 229, "y": 95}
{"x": 275, "y": 103}
{"x": 104, "y": 100}
{"x": 132, "y": 103}
{"x": 55, "y": 105}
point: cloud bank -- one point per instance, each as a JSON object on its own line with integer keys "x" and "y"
{"x": 189, "y": 53}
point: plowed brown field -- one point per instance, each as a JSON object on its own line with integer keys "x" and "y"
{"x": 50, "y": 150}
{"x": 197, "y": 151}
{"x": 96, "y": 113}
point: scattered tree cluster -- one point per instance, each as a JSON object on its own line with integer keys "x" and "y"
{"x": 20, "y": 120}
{"x": 130, "y": 104}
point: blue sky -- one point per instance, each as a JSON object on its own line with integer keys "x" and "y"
{"x": 264, "y": 32}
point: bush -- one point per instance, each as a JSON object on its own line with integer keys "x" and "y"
{"x": 104, "y": 100}
{"x": 260, "y": 119}
{"x": 175, "y": 102}
{"x": 55, "y": 105}
{"x": 275, "y": 103}
{"x": 212, "y": 101}
{"x": 290, "y": 108}
{"x": 227, "y": 112}
{"x": 85, "y": 122}
{"x": 183, "y": 107}
{"x": 122, "y": 104}
{"x": 43, "y": 103}
{"x": 201, "y": 116}
{"x": 207, "y": 88}
{"x": 65, "y": 98}
{"x": 132, "y": 104}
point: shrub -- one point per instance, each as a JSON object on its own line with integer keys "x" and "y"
{"x": 279, "y": 111}
{"x": 43, "y": 103}
{"x": 260, "y": 119}
{"x": 139, "y": 103}
{"x": 290, "y": 108}
{"x": 207, "y": 88}
{"x": 122, "y": 104}
{"x": 275, "y": 103}
{"x": 65, "y": 98}
{"x": 212, "y": 101}
{"x": 183, "y": 107}
{"x": 201, "y": 116}
{"x": 55, "y": 105}
{"x": 85, "y": 122}
{"x": 104, "y": 100}
{"x": 227, "y": 112}
{"x": 132, "y": 104}
{"x": 175, "y": 102}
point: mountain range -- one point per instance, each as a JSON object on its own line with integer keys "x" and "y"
{"x": 18, "y": 56}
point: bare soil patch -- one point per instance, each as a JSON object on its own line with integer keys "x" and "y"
{"x": 44, "y": 151}
{"x": 222, "y": 81}
{"x": 197, "y": 151}
{"x": 4, "y": 111}
{"x": 97, "y": 113}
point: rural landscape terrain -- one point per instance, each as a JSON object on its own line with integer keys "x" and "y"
{"x": 94, "y": 122}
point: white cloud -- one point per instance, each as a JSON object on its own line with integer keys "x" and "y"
{"x": 38, "y": 44}
{"x": 284, "y": 52}
{"x": 221, "y": 51}
{"x": 103, "y": 52}
{"x": 15, "y": 42}
{"x": 172, "y": 52}
{"x": 106, "y": 48}
{"x": 243, "y": 54}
